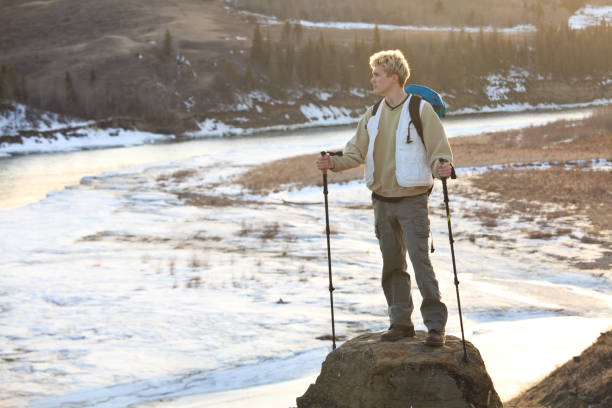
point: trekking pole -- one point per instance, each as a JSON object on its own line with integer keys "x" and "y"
{"x": 451, "y": 240}
{"x": 331, "y": 286}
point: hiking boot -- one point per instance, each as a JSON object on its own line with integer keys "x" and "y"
{"x": 435, "y": 338}
{"x": 398, "y": 331}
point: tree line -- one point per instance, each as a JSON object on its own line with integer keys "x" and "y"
{"x": 450, "y": 63}
{"x": 498, "y": 13}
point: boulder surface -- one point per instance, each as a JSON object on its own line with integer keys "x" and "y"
{"x": 367, "y": 373}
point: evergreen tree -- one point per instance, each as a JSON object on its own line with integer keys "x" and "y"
{"x": 286, "y": 33}
{"x": 92, "y": 77}
{"x": 257, "y": 51}
{"x": 298, "y": 32}
{"x": 376, "y": 45}
{"x": 2, "y": 85}
{"x": 70, "y": 95}
{"x": 249, "y": 77}
{"x": 23, "y": 89}
{"x": 167, "y": 43}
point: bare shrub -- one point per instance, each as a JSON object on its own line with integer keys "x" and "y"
{"x": 270, "y": 231}
{"x": 194, "y": 282}
{"x": 602, "y": 118}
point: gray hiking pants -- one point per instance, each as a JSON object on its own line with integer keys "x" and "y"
{"x": 401, "y": 226}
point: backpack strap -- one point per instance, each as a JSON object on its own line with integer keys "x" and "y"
{"x": 375, "y": 109}
{"x": 375, "y": 106}
{"x": 414, "y": 107}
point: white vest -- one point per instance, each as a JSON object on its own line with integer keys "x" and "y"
{"x": 411, "y": 166}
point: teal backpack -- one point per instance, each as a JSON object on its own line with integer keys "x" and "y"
{"x": 420, "y": 92}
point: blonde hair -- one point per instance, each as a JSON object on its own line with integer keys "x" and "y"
{"x": 393, "y": 62}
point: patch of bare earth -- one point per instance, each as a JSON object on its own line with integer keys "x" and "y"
{"x": 568, "y": 191}
{"x": 583, "y": 382}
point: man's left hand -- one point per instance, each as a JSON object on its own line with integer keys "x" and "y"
{"x": 444, "y": 169}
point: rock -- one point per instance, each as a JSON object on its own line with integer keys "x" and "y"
{"x": 367, "y": 373}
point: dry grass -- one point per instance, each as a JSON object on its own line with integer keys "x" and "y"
{"x": 579, "y": 192}
{"x": 296, "y": 172}
{"x": 557, "y": 141}
{"x": 203, "y": 200}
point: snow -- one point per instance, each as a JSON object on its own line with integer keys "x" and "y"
{"x": 88, "y": 138}
{"x": 326, "y": 115}
{"x": 525, "y": 107}
{"x": 18, "y": 117}
{"x": 345, "y": 25}
{"x": 590, "y": 16}
{"x": 84, "y": 134}
{"x": 500, "y": 85}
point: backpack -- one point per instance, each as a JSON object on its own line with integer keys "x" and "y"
{"x": 418, "y": 93}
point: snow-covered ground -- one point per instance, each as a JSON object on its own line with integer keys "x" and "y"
{"x": 63, "y": 133}
{"x": 349, "y": 25}
{"x": 589, "y": 16}
{"x": 585, "y": 17}
{"x": 114, "y": 292}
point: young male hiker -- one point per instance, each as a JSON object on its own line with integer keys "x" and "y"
{"x": 399, "y": 170}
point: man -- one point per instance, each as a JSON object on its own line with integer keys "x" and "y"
{"x": 399, "y": 169}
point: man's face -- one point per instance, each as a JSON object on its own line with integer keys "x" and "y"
{"x": 381, "y": 82}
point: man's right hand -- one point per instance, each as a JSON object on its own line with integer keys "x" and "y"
{"x": 325, "y": 162}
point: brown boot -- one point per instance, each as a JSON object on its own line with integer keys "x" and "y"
{"x": 435, "y": 338}
{"x": 398, "y": 331}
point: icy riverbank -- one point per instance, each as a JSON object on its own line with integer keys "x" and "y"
{"x": 90, "y": 137}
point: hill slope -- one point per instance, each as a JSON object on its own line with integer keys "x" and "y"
{"x": 174, "y": 65}
{"x": 583, "y": 382}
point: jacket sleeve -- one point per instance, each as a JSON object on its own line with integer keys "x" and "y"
{"x": 436, "y": 142}
{"x": 354, "y": 153}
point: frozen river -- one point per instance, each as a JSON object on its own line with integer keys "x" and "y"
{"x": 114, "y": 292}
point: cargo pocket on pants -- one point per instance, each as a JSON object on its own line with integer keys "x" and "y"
{"x": 421, "y": 227}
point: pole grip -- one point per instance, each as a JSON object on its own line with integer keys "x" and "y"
{"x": 324, "y": 171}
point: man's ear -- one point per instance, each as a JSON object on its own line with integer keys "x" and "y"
{"x": 396, "y": 78}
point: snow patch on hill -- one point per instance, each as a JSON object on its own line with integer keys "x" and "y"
{"x": 590, "y": 16}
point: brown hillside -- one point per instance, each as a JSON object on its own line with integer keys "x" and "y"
{"x": 114, "y": 52}
{"x": 583, "y": 382}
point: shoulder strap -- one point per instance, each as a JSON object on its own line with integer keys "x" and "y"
{"x": 375, "y": 107}
{"x": 414, "y": 107}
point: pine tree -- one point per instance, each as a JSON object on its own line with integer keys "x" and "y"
{"x": 2, "y": 85}
{"x": 298, "y": 32}
{"x": 249, "y": 77}
{"x": 167, "y": 43}
{"x": 23, "y": 89}
{"x": 286, "y": 33}
{"x": 257, "y": 51}
{"x": 70, "y": 95}
{"x": 376, "y": 46}
{"x": 92, "y": 77}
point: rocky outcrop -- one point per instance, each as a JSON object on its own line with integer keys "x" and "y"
{"x": 367, "y": 373}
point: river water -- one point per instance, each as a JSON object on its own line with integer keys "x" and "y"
{"x": 114, "y": 292}
{"x": 28, "y": 178}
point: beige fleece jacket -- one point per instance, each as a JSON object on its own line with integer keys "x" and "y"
{"x": 385, "y": 182}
